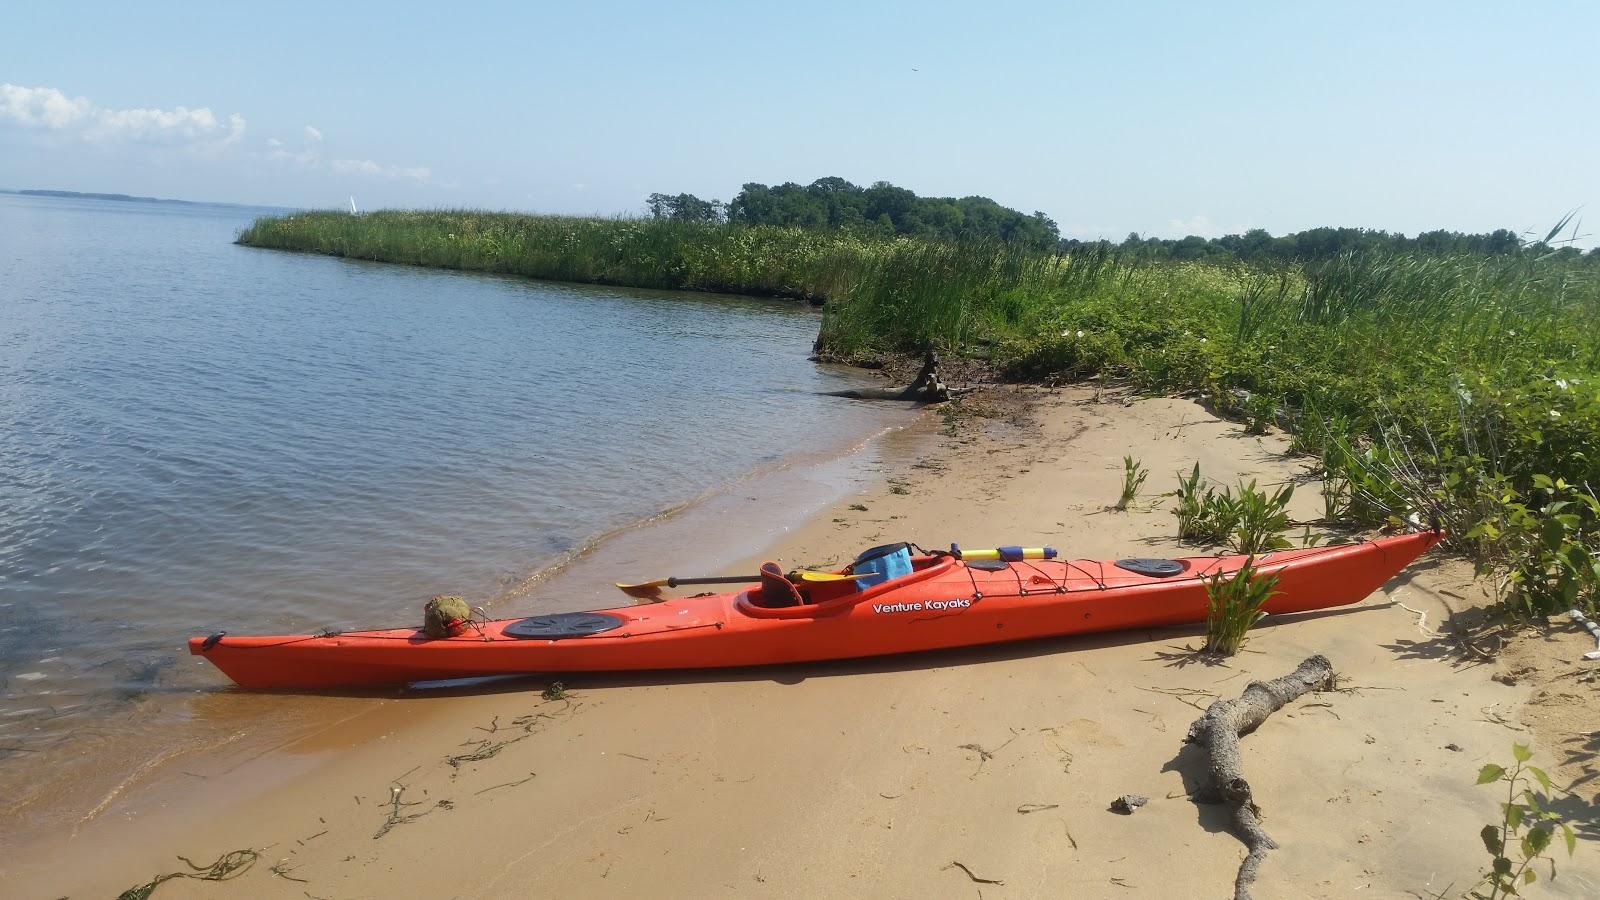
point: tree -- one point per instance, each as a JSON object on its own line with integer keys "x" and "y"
{"x": 685, "y": 208}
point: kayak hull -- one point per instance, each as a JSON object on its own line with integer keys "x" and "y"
{"x": 944, "y": 603}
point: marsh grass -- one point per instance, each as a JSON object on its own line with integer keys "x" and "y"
{"x": 649, "y": 253}
{"x": 1486, "y": 369}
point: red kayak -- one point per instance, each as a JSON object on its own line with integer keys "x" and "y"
{"x": 944, "y": 601}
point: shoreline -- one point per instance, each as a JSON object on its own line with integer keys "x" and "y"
{"x": 217, "y": 722}
{"x": 738, "y": 783}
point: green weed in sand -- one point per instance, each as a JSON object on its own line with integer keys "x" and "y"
{"x": 1133, "y": 476}
{"x": 1526, "y": 828}
{"x": 1234, "y": 606}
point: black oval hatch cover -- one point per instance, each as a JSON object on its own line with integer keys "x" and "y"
{"x": 1156, "y": 568}
{"x": 562, "y": 625}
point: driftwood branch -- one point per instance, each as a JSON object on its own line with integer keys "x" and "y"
{"x": 1219, "y": 730}
{"x": 927, "y": 387}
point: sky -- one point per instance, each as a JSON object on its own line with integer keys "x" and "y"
{"x": 1165, "y": 119}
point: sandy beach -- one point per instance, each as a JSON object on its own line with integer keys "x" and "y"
{"x": 977, "y": 773}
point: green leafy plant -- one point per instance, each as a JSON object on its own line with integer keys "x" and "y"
{"x": 1539, "y": 547}
{"x": 1219, "y": 516}
{"x": 1205, "y": 515}
{"x": 1133, "y": 476}
{"x": 1190, "y": 505}
{"x": 1250, "y": 522}
{"x": 1527, "y": 826}
{"x": 1260, "y": 520}
{"x": 1260, "y": 413}
{"x": 1335, "y": 497}
{"x": 1233, "y": 606}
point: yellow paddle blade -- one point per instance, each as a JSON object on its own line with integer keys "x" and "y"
{"x": 644, "y": 590}
{"x": 809, "y": 575}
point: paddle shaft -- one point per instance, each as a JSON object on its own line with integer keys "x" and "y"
{"x": 717, "y": 579}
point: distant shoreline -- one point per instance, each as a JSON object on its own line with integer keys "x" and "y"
{"x": 127, "y": 198}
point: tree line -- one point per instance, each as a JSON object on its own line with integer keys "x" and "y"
{"x": 884, "y": 208}
{"x": 1259, "y": 246}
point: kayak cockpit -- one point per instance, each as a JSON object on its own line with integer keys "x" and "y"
{"x": 826, "y": 597}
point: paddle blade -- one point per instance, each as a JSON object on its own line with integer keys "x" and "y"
{"x": 645, "y": 590}
{"x": 808, "y": 575}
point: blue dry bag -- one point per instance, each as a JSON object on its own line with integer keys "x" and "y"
{"x": 885, "y": 562}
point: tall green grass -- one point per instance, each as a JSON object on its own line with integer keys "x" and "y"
{"x": 653, "y": 253}
{"x": 1464, "y": 390}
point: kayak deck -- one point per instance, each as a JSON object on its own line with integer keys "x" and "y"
{"x": 943, "y": 603}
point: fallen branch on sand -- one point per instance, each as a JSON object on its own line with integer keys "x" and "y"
{"x": 1219, "y": 730}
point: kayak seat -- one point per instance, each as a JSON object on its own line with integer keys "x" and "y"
{"x": 777, "y": 590}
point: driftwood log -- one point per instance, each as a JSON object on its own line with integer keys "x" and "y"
{"x": 1219, "y": 730}
{"x": 927, "y": 387}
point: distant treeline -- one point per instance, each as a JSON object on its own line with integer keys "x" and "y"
{"x": 882, "y": 208}
{"x": 1259, "y": 246}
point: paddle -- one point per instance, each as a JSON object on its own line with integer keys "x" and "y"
{"x": 647, "y": 589}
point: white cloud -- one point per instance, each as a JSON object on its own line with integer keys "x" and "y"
{"x": 47, "y": 109}
{"x": 368, "y": 167}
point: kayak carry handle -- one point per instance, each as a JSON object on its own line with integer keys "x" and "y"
{"x": 1009, "y": 553}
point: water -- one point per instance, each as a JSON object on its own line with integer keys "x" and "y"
{"x": 196, "y": 435}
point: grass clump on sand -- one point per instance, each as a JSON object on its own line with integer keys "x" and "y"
{"x": 1234, "y": 605}
{"x": 1133, "y": 475}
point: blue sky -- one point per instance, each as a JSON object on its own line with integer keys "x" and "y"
{"x": 1162, "y": 118}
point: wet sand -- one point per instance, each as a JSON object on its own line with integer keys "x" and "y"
{"x": 874, "y": 778}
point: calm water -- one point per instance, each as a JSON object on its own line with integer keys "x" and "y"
{"x": 195, "y": 435}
